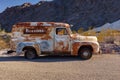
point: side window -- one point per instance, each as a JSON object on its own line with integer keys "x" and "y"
{"x": 61, "y": 31}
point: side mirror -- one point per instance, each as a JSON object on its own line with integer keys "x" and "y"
{"x": 71, "y": 25}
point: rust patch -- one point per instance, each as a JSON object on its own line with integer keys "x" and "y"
{"x": 75, "y": 47}
{"x": 36, "y": 46}
{"x": 47, "y": 24}
{"x": 60, "y": 47}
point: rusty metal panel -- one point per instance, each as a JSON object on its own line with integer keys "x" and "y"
{"x": 62, "y": 40}
{"x": 45, "y": 37}
{"x": 62, "y": 43}
{"x": 40, "y": 32}
{"x": 75, "y": 48}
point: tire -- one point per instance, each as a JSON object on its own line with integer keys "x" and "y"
{"x": 85, "y": 53}
{"x": 30, "y": 54}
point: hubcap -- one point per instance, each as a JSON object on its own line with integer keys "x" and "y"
{"x": 30, "y": 54}
{"x": 85, "y": 54}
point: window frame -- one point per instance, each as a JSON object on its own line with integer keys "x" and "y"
{"x": 61, "y": 28}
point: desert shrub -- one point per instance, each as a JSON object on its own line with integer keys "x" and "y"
{"x": 109, "y": 39}
{"x": 89, "y": 33}
{"x": 4, "y": 39}
{"x": 80, "y": 30}
{"x": 104, "y": 35}
{"x": 4, "y": 44}
{"x": 74, "y": 32}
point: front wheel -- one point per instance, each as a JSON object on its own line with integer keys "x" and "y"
{"x": 85, "y": 53}
{"x": 30, "y": 54}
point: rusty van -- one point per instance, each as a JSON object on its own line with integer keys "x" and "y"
{"x": 51, "y": 38}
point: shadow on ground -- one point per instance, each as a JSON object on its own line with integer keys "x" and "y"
{"x": 42, "y": 59}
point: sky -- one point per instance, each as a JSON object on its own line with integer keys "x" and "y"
{"x": 9, "y": 3}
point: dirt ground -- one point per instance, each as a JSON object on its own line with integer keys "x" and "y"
{"x": 99, "y": 67}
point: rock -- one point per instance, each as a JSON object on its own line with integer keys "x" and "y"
{"x": 80, "y": 13}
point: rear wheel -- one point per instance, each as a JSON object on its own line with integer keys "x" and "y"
{"x": 85, "y": 53}
{"x": 30, "y": 54}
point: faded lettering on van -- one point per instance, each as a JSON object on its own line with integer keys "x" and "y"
{"x": 33, "y": 24}
{"x": 34, "y": 31}
{"x": 46, "y": 24}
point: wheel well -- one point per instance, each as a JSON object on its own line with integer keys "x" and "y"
{"x": 86, "y": 46}
{"x": 28, "y": 47}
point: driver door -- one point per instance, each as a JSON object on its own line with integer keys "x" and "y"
{"x": 62, "y": 40}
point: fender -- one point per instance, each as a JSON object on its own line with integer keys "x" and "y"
{"x": 77, "y": 45}
{"x": 22, "y": 45}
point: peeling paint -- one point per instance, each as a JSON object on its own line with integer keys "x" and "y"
{"x": 49, "y": 37}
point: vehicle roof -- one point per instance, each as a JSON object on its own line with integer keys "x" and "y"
{"x": 53, "y": 24}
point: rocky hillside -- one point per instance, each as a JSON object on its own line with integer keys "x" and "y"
{"x": 80, "y": 13}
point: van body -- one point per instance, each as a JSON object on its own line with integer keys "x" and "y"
{"x": 51, "y": 38}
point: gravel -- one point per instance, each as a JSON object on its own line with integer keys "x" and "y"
{"x": 99, "y": 67}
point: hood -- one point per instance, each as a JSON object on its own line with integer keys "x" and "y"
{"x": 84, "y": 38}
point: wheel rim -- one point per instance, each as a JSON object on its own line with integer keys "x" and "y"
{"x": 30, "y": 55}
{"x": 86, "y": 54}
